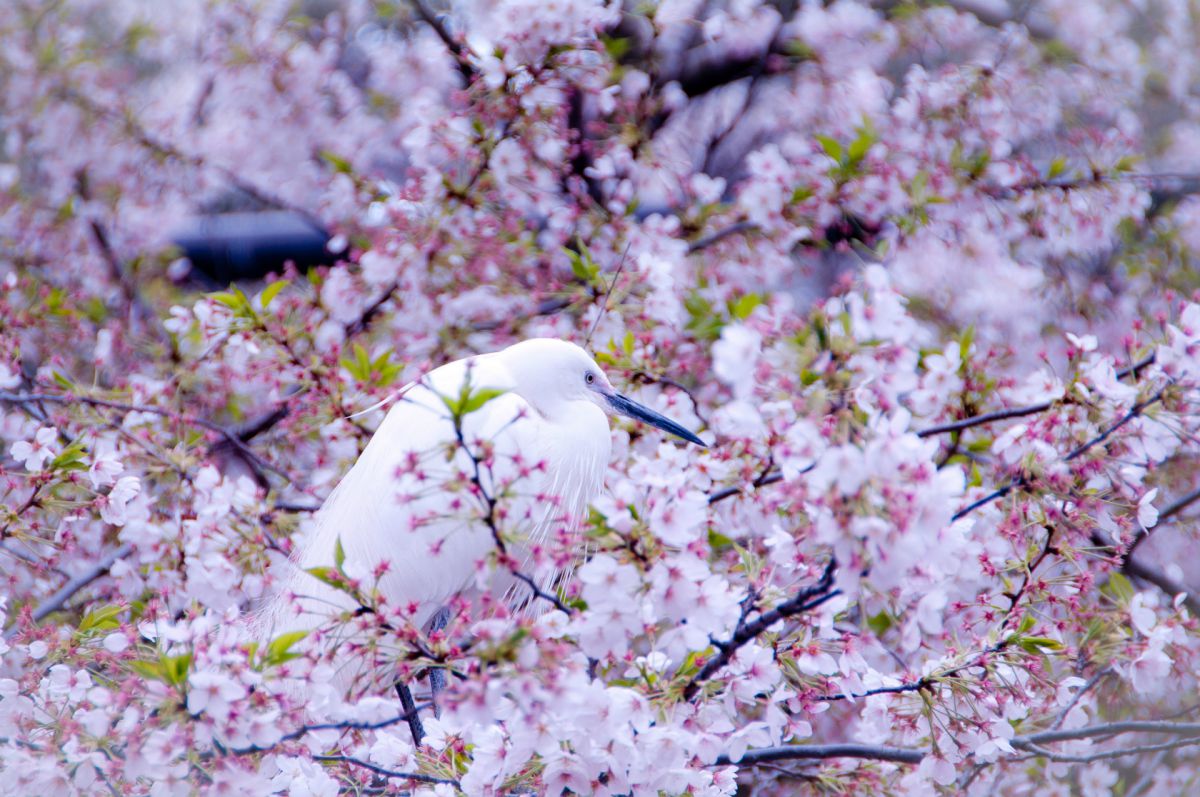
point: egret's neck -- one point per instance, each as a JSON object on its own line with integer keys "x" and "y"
{"x": 581, "y": 446}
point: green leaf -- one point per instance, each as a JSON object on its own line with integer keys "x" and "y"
{"x": 1126, "y": 163}
{"x": 270, "y": 292}
{"x": 102, "y": 618}
{"x": 616, "y": 46}
{"x": 703, "y": 322}
{"x": 477, "y": 398}
{"x": 980, "y": 445}
{"x": 149, "y": 669}
{"x": 861, "y": 144}
{"x": 1121, "y": 587}
{"x": 71, "y": 458}
{"x": 718, "y": 541}
{"x": 280, "y": 649}
{"x": 336, "y": 162}
{"x": 745, "y": 305}
{"x": 1057, "y": 167}
{"x": 339, "y": 555}
{"x": 582, "y": 266}
{"x": 383, "y": 370}
{"x": 62, "y": 381}
{"x": 965, "y": 341}
{"x": 358, "y": 366}
{"x": 800, "y": 194}
{"x": 175, "y": 668}
{"x": 329, "y": 576}
{"x": 1035, "y": 644}
{"x": 1027, "y": 623}
{"x": 880, "y": 623}
{"x": 231, "y": 300}
{"x": 833, "y": 147}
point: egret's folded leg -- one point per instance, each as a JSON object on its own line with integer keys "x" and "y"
{"x": 410, "y": 708}
{"x": 437, "y": 676}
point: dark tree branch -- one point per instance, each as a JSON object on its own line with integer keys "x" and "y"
{"x": 139, "y": 310}
{"x": 1079, "y": 451}
{"x": 457, "y": 48}
{"x": 1134, "y": 411}
{"x": 1031, "y": 743}
{"x": 387, "y": 773}
{"x": 823, "y": 751}
{"x": 720, "y": 235}
{"x": 771, "y": 477}
{"x": 1168, "y": 585}
{"x": 232, "y": 437}
{"x": 987, "y": 417}
{"x": 805, "y": 600}
{"x": 1019, "y": 412}
{"x": 67, "y": 591}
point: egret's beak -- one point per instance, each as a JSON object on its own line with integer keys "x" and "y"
{"x": 632, "y": 409}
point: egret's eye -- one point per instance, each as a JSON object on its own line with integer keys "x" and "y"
{"x": 589, "y": 377}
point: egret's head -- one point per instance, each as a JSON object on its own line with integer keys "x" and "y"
{"x": 551, "y": 374}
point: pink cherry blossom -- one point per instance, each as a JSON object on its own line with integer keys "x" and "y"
{"x": 921, "y": 277}
{"x": 43, "y": 447}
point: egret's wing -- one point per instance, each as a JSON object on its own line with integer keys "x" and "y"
{"x": 409, "y": 518}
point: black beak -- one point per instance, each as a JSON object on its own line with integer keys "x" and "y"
{"x": 632, "y": 409}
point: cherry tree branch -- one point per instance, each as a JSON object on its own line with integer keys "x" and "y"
{"x": 1033, "y": 743}
{"x": 1020, "y": 412}
{"x": 706, "y": 241}
{"x": 1178, "y": 505}
{"x": 457, "y": 49}
{"x": 68, "y": 590}
{"x": 805, "y": 600}
{"x": 137, "y": 303}
{"x": 387, "y": 773}
{"x": 233, "y": 437}
{"x": 1018, "y": 481}
{"x": 987, "y": 417}
{"x": 822, "y": 751}
{"x": 771, "y": 477}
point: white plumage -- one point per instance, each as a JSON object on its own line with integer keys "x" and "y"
{"x": 410, "y": 510}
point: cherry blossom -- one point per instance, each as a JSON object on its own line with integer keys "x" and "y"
{"x": 921, "y": 275}
{"x": 33, "y": 454}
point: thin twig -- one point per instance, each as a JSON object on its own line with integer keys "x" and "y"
{"x": 1134, "y": 412}
{"x": 987, "y": 417}
{"x": 332, "y": 726}
{"x": 231, "y": 436}
{"x": 720, "y": 235}
{"x": 1020, "y": 412}
{"x": 1083, "y": 690}
{"x": 1178, "y": 505}
{"x": 805, "y": 600}
{"x": 821, "y": 751}
{"x": 729, "y": 492}
{"x": 387, "y": 773}
{"x": 68, "y": 590}
{"x": 456, "y": 48}
{"x": 1030, "y": 743}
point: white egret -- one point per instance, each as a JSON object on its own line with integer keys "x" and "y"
{"x": 504, "y": 446}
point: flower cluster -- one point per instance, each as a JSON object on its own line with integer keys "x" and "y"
{"x": 923, "y": 276}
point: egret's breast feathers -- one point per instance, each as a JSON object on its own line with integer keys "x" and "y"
{"x": 409, "y": 517}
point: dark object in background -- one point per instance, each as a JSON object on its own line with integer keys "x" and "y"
{"x": 230, "y": 247}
